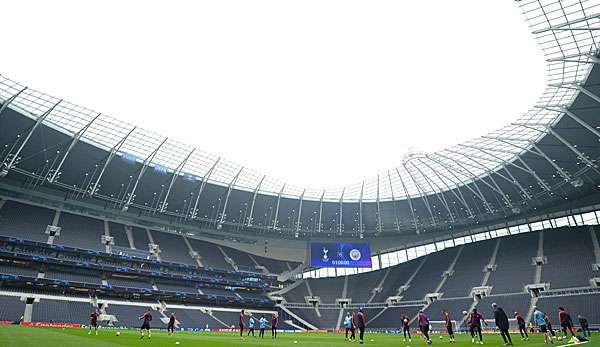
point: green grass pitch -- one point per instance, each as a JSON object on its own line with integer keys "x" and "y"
{"x": 16, "y": 336}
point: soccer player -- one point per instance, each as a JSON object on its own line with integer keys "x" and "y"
{"x": 405, "y": 327}
{"x": 565, "y": 320}
{"x": 274, "y": 321}
{"x": 348, "y": 324}
{"x": 361, "y": 323}
{"x": 501, "y": 320}
{"x": 251, "y": 326}
{"x": 448, "y": 323}
{"x": 353, "y": 331}
{"x": 262, "y": 324}
{"x": 94, "y": 321}
{"x": 147, "y": 318}
{"x": 585, "y": 326}
{"x": 242, "y": 324}
{"x": 549, "y": 325}
{"x": 424, "y": 325}
{"x": 171, "y": 325}
{"x": 522, "y": 326}
{"x": 475, "y": 319}
{"x": 538, "y": 318}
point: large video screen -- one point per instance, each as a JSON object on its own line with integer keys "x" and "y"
{"x": 340, "y": 255}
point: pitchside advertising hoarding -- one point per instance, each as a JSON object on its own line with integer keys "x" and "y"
{"x": 340, "y": 255}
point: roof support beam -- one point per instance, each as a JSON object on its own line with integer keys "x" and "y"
{"x": 474, "y": 178}
{"x": 320, "y": 213}
{"x": 566, "y": 24}
{"x": 76, "y": 138}
{"x": 297, "y": 232}
{"x": 395, "y": 204}
{"x": 448, "y": 188}
{"x": 229, "y": 188}
{"x": 109, "y": 158}
{"x": 379, "y": 229}
{"x": 422, "y": 195}
{"x": 340, "y": 225}
{"x": 360, "y": 215}
{"x": 577, "y": 119}
{"x": 205, "y": 179}
{"x": 249, "y": 224}
{"x": 141, "y": 174}
{"x": 440, "y": 196}
{"x": 489, "y": 172}
{"x": 176, "y": 173}
{"x": 529, "y": 169}
{"x": 10, "y": 100}
{"x": 410, "y": 205}
{"x": 549, "y": 130}
{"x": 7, "y": 166}
{"x": 505, "y": 164}
{"x": 277, "y": 207}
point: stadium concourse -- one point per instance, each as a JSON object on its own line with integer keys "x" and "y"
{"x": 103, "y": 223}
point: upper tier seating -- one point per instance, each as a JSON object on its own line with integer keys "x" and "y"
{"x": 430, "y": 275}
{"x": 172, "y": 248}
{"x": 81, "y": 232}
{"x": 468, "y": 271}
{"x": 570, "y": 255}
{"x": 211, "y": 256}
{"x": 25, "y": 221}
{"x": 514, "y": 268}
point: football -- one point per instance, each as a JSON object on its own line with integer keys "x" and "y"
{"x": 429, "y": 342}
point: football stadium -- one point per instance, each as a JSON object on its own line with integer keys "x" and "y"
{"x": 114, "y": 235}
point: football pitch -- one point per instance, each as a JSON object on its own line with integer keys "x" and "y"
{"x": 76, "y": 337}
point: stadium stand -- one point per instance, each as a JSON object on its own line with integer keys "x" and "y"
{"x": 172, "y": 248}
{"x": 11, "y": 308}
{"x": 570, "y": 255}
{"x": 468, "y": 271}
{"x": 514, "y": 263}
{"x": 430, "y": 275}
{"x": 211, "y": 256}
{"x": 56, "y": 311}
{"x": 584, "y": 304}
{"x": 81, "y": 232}
{"x": 75, "y": 276}
{"x": 25, "y": 221}
{"x": 455, "y": 307}
{"x": 390, "y": 317}
{"x": 117, "y": 231}
{"x": 140, "y": 238}
{"x": 511, "y": 303}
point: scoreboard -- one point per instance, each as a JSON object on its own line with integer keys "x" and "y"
{"x": 340, "y": 255}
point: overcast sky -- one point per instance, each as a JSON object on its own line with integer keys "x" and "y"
{"x": 318, "y": 93}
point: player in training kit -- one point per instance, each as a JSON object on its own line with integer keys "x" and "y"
{"x": 353, "y": 331}
{"x": 549, "y": 325}
{"x": 171, "y": 325}
{"x": 424, "y": 325}
{"x": 94, "y": 322}
{"x": 147, "y": 318}
{"x": 566, "y": 323}
{"x": 242, "y": 323}
{"x": 448, "y": 323}
{"x": 251, "y": 326}
{"x": 361, "y": 323}
{"x": 475, "y": 320}
{"x": 348, "y": 324}
{"x": 538, "y": 319}
{"x": 501, "y": 320}
{"x": 274, "y": 321}
{"x": 262, "y": 324}
{"x": 585, "y": 326}
{"x": 405, "y": 327}
{"x": 522, "y": 326}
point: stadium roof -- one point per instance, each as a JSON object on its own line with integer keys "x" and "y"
{"x": 567, "y": 32}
